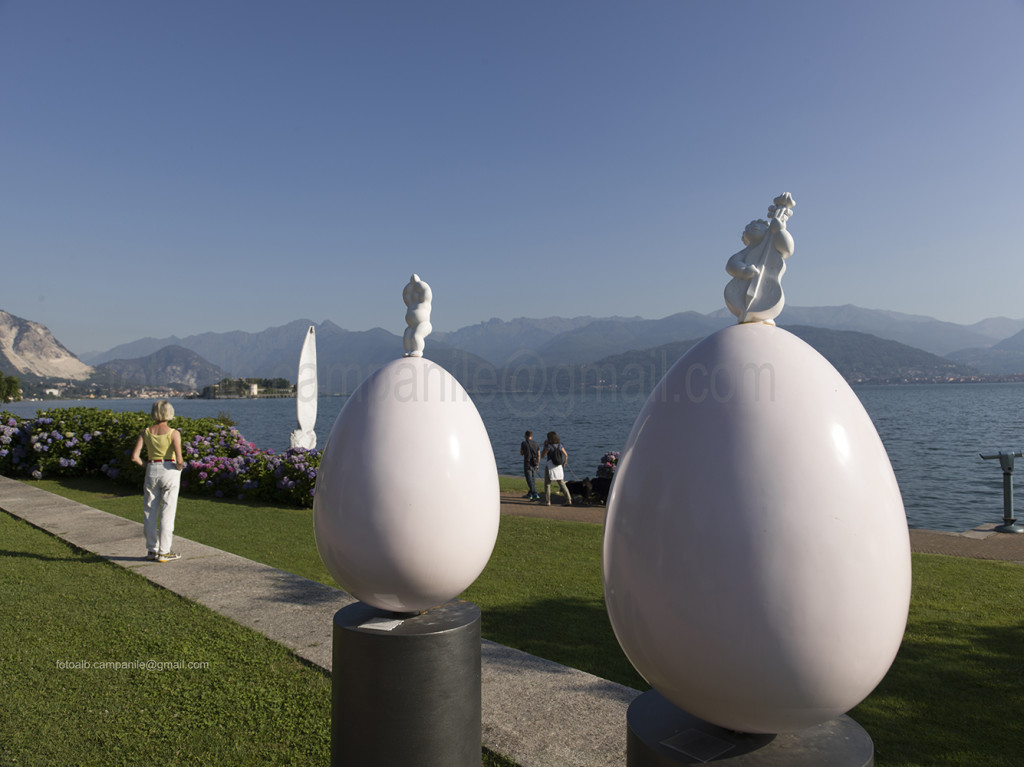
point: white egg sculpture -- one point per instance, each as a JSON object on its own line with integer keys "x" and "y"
{"x": 407, "y": 504}
{"x": 756, "y": 552}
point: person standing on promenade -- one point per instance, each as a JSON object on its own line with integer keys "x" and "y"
{"x": 531, "y": 462}
{"x": 163, "y": 480}
{"x": 553, "y": 471}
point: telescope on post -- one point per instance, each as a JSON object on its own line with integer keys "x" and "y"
{"x": 1006, "y": 464}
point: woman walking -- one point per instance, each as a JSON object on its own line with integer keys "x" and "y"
{"x": 553, "y": 470}
{"x": 163, "y": 479}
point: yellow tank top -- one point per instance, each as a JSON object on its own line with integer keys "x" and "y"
{"x": 158, "y": 446}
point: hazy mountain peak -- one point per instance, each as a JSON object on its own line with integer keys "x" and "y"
{"x": 170, "y": 366}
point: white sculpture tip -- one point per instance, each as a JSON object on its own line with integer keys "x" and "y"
{"x": 417, "y": 296}
{"x": 306, "y": 394}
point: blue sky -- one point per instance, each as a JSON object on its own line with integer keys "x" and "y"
{"x": 176, "y": 168}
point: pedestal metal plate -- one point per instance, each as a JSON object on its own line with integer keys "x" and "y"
{"x": 662, "y": 735}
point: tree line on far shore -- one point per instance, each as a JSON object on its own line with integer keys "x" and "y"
{"x": 233, "y": 388}
{"x": 10, "y": 388}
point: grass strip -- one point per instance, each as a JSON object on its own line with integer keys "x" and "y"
{"x": 952, "y": 697}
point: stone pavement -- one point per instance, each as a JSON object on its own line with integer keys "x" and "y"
{"x": 536, "y": 712}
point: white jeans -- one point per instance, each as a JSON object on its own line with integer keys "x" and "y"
{"x": 160, "y": 501}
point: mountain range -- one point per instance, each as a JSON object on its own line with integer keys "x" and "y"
{"x": 864, "y": 344}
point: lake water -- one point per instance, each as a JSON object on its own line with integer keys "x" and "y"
{"x": 933, "y": 434}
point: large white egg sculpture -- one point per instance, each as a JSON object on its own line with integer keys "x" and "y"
{"x": 756, "y": 553}
{"x": 407, "y": 503}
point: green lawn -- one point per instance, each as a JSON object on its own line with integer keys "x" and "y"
{"x": 955, "y": 694}
{"x": 953, "y": 697}
{"x": 249, "y": 701}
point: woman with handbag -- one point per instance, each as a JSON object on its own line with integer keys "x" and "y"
{"x": 553, "y": 471}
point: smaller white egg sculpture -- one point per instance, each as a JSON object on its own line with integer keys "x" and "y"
{"x": 756, "y": 553}
{"x": 407, "y": 504}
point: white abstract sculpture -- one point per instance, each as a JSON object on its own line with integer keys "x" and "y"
{"x": 755, "y": 292}
{"x": 407, "y": 504}
{"x": 756, "y": 553}
{"x": 306, "y": 394}
{"x": 417, "y": 297}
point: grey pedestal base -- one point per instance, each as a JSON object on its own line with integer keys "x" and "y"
{"x": 661, "y": 735}
{"x": 409, "y": 695}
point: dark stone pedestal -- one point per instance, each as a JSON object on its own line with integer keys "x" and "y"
{"x": 661, "y": 735}
{"x": 409, "y": 695}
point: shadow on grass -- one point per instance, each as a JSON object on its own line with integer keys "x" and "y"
{"x": 953, "y": 696}
{"x": 571, "y": 632}
{"x": 81, "y": 556}
{"x": 109, "y": 489}
{"x": 102, "y": 486}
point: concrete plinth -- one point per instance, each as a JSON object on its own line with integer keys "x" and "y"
{"x": 661, "y": 735}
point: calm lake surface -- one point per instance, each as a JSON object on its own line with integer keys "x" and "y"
{"x": 933, "y": 434}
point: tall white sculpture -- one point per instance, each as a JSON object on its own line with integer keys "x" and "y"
{"x": 756, "y": 554}
{"x": 406, "y": 507}
{"x": 417, "y": 296}
{"x": 405, "y": 516}
{"x": 306, "y": 394}
{"x": 755, "y": 292}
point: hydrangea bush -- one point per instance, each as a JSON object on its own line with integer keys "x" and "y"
{"x": 609, "y": 462}
{"x": 219, "y": 462}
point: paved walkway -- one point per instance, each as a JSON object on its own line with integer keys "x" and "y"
{"x": 982, "y": 542}
{"x": 536, "y": 712}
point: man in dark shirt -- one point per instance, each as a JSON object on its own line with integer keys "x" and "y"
{"x": 531, "y": 462}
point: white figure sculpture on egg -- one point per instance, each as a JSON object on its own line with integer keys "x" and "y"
{"x": 417, "y": 296}
{"x": 758, "y": 594}
{"x": 407, "y": 502}
{"x": 755, "y": 292}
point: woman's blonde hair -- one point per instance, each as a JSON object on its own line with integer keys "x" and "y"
{"x": 162, "y": 410}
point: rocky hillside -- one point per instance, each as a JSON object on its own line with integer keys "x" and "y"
{"x": 171, "y": 366}
{"x": 29, "y": 349}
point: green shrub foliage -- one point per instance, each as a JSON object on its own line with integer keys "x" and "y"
{"x": 219, "y": 462}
